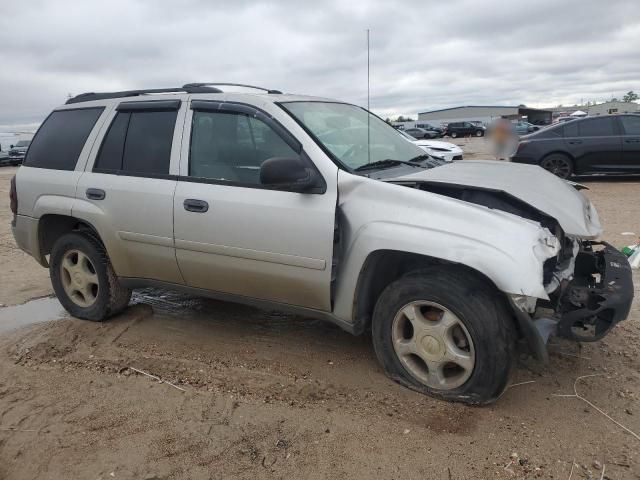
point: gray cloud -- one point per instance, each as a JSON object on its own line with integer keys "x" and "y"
{"x": 425, "y": 55}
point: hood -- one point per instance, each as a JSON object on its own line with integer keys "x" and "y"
{"x": 436, "y": 144}
{"x": 529, "y": 183}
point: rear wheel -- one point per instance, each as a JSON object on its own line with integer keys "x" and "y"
{"x": 83, "y": 278}
{"x": 558, "y": 164}
{"x": 454, "y": 134}
{"x": 445, "y": 333}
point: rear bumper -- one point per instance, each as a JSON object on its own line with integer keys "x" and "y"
{"x": 599, "y": 295}
{"x": 25, "y": 232}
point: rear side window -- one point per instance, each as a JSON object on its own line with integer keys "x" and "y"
{"x": 597, "y": 127}
{"x": 631, "y": 125}
{"x": 138, "y": 142}
{"x": 61, "y": 137}
{"x": 110, "y": 156}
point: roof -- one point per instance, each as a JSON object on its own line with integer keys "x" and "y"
{"x": 210, "y": 89}
{"x": 483, "y": 106}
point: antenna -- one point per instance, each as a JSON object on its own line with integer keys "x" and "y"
{"x": 368, "y": 102}
{"x": 368, "y": 74}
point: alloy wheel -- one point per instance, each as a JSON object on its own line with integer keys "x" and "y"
{"x": 79, "y": 278}
{"x": 559, "y": 166}
{"x": 433, "y": 345}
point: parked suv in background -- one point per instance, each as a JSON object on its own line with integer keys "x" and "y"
{"x": 594, "y": 145}
{"x": 464, "y": 129}
{"x": 317, "y": 207}
{"x": 4, "y": 157}
{"x": 18, "y": 151}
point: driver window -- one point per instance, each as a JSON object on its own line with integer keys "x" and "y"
{"x": 231, "y": 147}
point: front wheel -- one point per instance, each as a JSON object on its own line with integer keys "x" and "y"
{"x": 445, "y": 333}
{"x": 479, "y": 133}
{"x": 84, "y": 280}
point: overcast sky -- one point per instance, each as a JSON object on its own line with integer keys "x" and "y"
{"x": 424, "y": 54}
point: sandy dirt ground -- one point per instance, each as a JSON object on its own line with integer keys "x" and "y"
{"x": 263, "y": 395}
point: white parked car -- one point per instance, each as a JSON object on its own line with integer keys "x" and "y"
{"x": 317, "y": 207}
{"x": 436, "y": 148}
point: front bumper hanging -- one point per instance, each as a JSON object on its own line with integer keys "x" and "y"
{"x": 599, "y": 295}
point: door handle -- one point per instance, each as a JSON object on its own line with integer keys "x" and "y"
{"x": 633, "y": 140}
{"x": 95, "y": 194}
{"x": 575, "y": 142}
{"x": 197, "y": 206}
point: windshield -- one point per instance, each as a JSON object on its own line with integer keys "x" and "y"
{"x": 23, "y": 143}
{"x": 353, "y": 136}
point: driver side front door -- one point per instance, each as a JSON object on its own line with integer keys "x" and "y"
{"x": 236, "y": 236}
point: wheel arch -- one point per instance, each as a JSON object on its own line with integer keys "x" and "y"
{"x": 382, "y": 267}
{"x": 53, "y": 226}
{"x": 560, "y": 152}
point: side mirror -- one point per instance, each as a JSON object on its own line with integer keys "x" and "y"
{"x": 288, "y": 174}
{"x": 11, "y": 146}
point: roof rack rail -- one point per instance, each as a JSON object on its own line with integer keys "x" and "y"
{"x": 189, "y": 88}
{"x": 214, "y": 84}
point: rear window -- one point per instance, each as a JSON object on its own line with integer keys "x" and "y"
{"x": 60, "y": 138}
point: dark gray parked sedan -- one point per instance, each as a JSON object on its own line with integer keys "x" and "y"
{"x": 593, "y": 145}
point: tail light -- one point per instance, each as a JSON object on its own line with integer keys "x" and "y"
{"x": 13, "y": 197}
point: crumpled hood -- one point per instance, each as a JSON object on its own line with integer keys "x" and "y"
{"x": 530, "y": 183}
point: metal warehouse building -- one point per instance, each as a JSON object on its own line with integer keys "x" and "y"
{"x": 484, "y": 114}
{"x": 608, "y": 108}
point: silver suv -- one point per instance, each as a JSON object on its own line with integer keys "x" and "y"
{"x": 317, "y": 207}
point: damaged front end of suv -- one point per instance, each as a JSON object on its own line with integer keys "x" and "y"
{"x": 588, "y": 284}
{"x": 590, "y": 290}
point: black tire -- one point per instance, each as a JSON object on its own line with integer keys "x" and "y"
{"x": 479, "y": 133}
{"x": 454, "y": 134}
{"x": 111, "y": 296}
{"x": 559, "y": 164}
{"x": 481, "y": 309}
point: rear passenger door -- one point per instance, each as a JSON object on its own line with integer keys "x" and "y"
{"x": 631, "y": 142}
{"x": 127, "y": 189}
{"x": 595, "y": 144}
{"x": 234, "y": 235}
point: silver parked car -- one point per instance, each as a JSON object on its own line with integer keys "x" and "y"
{"x": 317, "y": 207}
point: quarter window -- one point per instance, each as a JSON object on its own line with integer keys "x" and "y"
{"x": 631, "y": 125}
{"x": 231, "y": 147}
{"x": 138, "y": 142}
{"x": 60, "y": 139}
{"x": 570, "y": 129}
